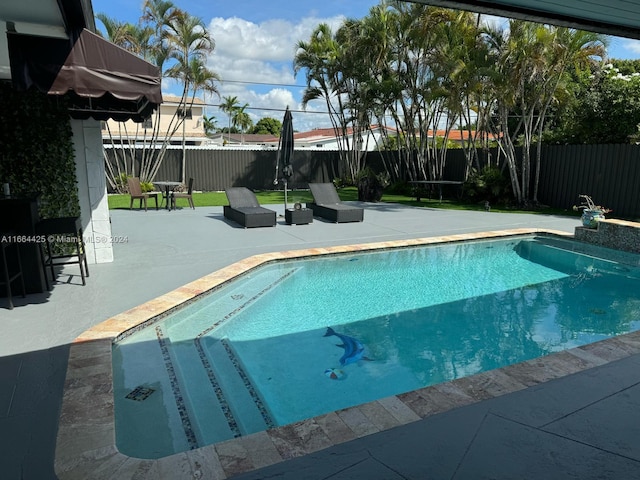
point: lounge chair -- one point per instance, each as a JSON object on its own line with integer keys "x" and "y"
{"x": 327, "y": 204}
{"x": 244, "y": 208}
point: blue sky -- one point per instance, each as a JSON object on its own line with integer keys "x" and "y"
{"x": 255, "y": 43}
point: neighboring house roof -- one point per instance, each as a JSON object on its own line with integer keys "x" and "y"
{"x": 316, "y": 137}
{"x": 321, "y": 135}
{"x": 178, "y": 134}
{"x": 457, "y": 135}
{"x": 247, "y": 138}
{"x": 168, "y": 98}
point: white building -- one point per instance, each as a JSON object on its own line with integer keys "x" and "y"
{"x": 165, "y": 122}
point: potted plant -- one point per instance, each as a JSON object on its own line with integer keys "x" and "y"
{"x": 371, "y": 185}
{"x": 591, "y": 213}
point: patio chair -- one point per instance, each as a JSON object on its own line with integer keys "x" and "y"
{"x": 135, "y": 190}
{"x": 244, "y": 209}
{"x": 188, "y": 195}
{"x": 9, "y": 272}
{"x": 70, "y": 230}
{"x": 327, "y": 204}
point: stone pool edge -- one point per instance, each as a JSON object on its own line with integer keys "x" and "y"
{"x": 86, "y": 447}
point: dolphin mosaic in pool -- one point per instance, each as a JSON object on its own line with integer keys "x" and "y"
{"x": 353, "y": 349}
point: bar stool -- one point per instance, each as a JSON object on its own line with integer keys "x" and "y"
{"x": 7, "y": 276}
{"x": 65, "y": 230}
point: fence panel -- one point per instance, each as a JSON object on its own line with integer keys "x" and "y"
{"x": 608, "y": 173}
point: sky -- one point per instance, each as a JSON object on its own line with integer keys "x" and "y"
{"x": 255, "y": 45}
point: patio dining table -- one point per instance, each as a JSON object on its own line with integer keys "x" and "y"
{"x": 168, "y": 188}
{"x": 438, "y": 183}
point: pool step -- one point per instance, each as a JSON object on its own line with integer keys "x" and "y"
{"x": 214, "y": 396}
{"x": 577, "y": 261}
{"x": 248, "y": 409}
{"x": 196, "y": 402}
{"x": 209, "y": 313}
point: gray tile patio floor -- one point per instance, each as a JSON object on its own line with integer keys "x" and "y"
{"x": 584, "y": 425}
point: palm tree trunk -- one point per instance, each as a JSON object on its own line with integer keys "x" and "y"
{"x": 184, "y": 153}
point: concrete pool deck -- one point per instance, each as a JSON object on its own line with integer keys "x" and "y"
{"x": 158, "y": 258}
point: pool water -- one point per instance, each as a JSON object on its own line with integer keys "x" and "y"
{"x": 254, "y": 355}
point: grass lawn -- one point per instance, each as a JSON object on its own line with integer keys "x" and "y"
{"x": 218, "y": 199}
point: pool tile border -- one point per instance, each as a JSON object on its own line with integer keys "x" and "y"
{"x": 86, "y": 435}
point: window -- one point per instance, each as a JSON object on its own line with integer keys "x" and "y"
{"x": 182, "y": 113}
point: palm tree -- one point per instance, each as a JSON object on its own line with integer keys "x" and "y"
{"x": 158, "y": 14}
{"x": 242, "y": 120}
{"x": 126, "y": 36}
{"x": 229, "y": 106}
{"x": 572, "y": 50}
{"x": 532, "y": 63}
{"x": 191, "y": 44}
{"x": 191, "y": 41}
{"x": 210, "y": 126}
{"x": 115, "y": 31}
{"x": 320, "y": 57}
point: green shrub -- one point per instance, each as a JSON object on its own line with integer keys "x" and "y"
{"x": 36, "y": 150}
{"x": 371, "y": 185}
{"x": 146, "y": 186}
{"x": 341, "y": 182}
{"x": 400, "y": 187}
{"x": 488, "y": 184}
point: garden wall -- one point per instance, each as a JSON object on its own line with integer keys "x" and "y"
{"x": 610, "y": 174}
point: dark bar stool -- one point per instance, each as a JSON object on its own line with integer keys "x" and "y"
{"x": 62, "y": 229}
{"x": 6, "y": 242}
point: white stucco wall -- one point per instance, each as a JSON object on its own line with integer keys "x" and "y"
{"x": 92, "y": 190}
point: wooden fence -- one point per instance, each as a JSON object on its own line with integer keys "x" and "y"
{"x": 608, "y": 173}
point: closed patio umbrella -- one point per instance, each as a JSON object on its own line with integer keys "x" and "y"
{"x": 285, "y": 152}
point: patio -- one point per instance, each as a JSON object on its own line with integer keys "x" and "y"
{"x": 158, "y": 251}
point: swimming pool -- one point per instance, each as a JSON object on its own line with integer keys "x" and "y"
{"x": 529, "y": 297}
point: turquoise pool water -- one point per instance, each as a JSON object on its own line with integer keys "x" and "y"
{"x": 254, "y": 354}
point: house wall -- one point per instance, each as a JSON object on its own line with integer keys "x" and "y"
{"x": 92, "y": 190}
{"x": 193, "y": 127}
{"x": 370, "y": 142}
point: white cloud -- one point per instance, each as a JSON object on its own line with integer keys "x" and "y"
{"x": 261, "y": 54}
{"x": 494, "y": 21}
{"x": 632, "y": 45}
{"x": 272, "y": 40}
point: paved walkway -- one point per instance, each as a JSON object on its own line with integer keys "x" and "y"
{"x": 164, "y": 250}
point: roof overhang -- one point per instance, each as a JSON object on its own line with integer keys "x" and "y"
{"x": 100, "y": 79}
{"x": 619, "y": 18}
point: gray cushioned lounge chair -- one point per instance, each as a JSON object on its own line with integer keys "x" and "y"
{"x": 244, "y": 208}
{"x": 327, "y": 204}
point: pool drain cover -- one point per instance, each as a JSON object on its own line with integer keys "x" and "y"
{"x": 140, "y": 393}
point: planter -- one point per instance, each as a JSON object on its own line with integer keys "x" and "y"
{"x": 369, "y": 189}
{"x": 590, "y": 218}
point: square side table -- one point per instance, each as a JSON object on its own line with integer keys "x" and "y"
{"x": 298, "y": 217}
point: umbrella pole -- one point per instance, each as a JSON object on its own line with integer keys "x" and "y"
{"x": 285, "y": 193}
